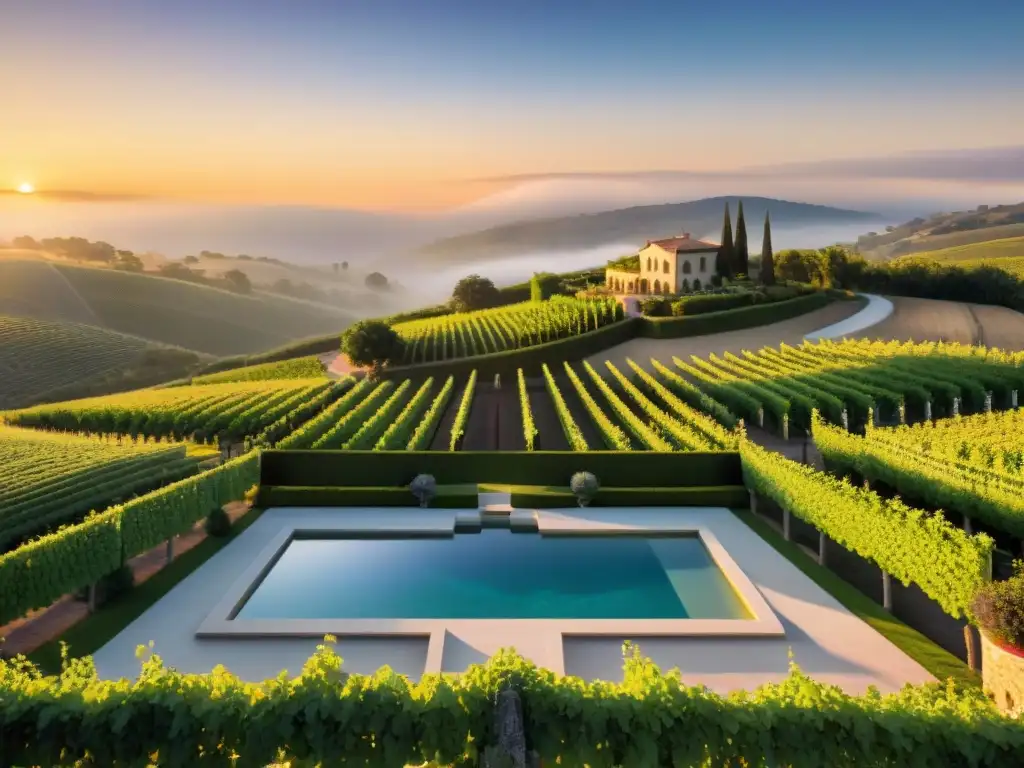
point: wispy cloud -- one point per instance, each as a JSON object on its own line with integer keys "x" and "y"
{"x": 76, "y": 196}
{"x": 999, "y": 164}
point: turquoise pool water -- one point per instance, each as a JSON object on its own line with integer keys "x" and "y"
{"x": 495, "y": 574}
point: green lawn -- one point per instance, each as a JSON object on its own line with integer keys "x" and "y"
{"x": 93, "y": 632}
{"x": 936, "y": 660}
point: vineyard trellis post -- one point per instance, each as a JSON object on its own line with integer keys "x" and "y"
{"x": 927, "y": 410}
{"x": 169, "y": 553}
{"x": 1013, "y": 399}
{"x": 785, "y": 426}
{"x": 988, "y": 402}
{"x": 887, "y": 591}
{"x": 822, "y": 543}
{"x": 786, "y": 524}
{"x": 968, "y": 527}
{"x": 91, "y": 598}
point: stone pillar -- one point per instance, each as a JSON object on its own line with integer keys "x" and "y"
{"x": 1003, "y": 676}
{"x": 887, "y": 591}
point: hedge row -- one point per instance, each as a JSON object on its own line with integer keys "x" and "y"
{"x": 731, "y": 319}
{"x": 545, "y": 497}
{"x": 326, "y": 717}
{"x": 325, "y": 468}
{"x": 360, "y": 496}
{"x": 530, "y": 359}
{"x": 40, "y": 572}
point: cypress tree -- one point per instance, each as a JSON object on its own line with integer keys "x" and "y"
{"x": 724, "y": 259}
{"x": 536, "y": 293}
{"x": 741, "y": 251}
{"x": 767, "y": 258}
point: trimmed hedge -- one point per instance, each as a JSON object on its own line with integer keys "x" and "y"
{"x": 38, "y": 573}
{"x": 641, "y": 469}
{"x": 530, "y": 359}
{"x": 327, "y": 717}
{"x": 730, "y": 319}
{"x": 548, "y": 497}
{"x": 359, "y": 496}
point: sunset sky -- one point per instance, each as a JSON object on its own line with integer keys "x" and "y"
{"x": 401, "y": 104}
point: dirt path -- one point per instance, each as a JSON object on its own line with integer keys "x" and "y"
{"x": 579, "y": 413}
{"x": 790, "y": 331}
{"x": 482, "y": 424}
{"x": 338, "y": 365}
{"x": 443, "y": 435}
{"x": 550, "y": 436}
{"x": 40, "y": 627}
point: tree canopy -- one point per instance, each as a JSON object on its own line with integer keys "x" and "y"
{"x": 474, "y": 292}
{"x": 371, "y": 343}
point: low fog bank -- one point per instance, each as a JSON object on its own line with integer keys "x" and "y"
{"x": 436, "y": 283}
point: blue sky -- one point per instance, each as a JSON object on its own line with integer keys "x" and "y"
{"x": 386, "y": 99}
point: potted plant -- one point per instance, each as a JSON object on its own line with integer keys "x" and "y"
{"x": 584, "y": 487}
{"x": 998, "y": 610}
{"x": 424, "y": 488}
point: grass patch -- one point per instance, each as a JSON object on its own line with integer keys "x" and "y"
{"x": 932, "y": 657}
{"x": 94, "y": 631}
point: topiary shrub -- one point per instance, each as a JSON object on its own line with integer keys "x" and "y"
{"x": 424, "y": 488}
{"x": 998, "y": 610}
{"x": 217, "y": 523}
{"x": 584, "y": 486}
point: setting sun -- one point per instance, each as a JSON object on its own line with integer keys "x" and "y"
{"x": 25, "y": 188}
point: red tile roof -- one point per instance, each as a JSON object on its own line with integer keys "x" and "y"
{"x": 683, "y": 243}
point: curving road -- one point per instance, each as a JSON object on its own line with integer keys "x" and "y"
{"x": 933, "y": 320}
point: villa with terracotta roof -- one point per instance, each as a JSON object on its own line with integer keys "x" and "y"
{"x": 672, "y": 265}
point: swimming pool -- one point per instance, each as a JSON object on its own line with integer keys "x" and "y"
{"x": 494, "y": 574}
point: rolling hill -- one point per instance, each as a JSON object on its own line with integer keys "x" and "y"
{"x": 1006, "y": 254}
{"x": 634, "y": 224}
{"x": 42, "y": 360}
{"x": 925, "y": 236}
{"x": 171, "y": 312}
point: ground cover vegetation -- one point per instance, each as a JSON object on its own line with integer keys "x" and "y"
{"x": 651, "y": 719}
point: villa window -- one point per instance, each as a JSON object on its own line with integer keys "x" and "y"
{"x": 657, "y": 286}
{"x": 696, "y": 284}
{"x": 665, "y": 267}
{"x": 703, "y": 263}
{"x": 687, "y": 268}
{"x": 648, "y": 263}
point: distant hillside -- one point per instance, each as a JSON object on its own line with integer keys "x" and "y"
{"x": 174, "y": 312}
{"x": 42, "y": 360}
{"x": 1006, "y": 254}
{"x": 944, "y": 230}
{"x": 637, "y": 224}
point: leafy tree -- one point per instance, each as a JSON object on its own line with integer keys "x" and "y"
{"x": 26, "y": 242}
{"x": 475, "y": 292}
{"x": 741, "y": 252}
{"x": 724, "y": 257}
{"x": 191, "y": 259}
{"x": 376, "y": 281}
{"x": 767, "y": 259}
{"x": 372, "y": 343}
{"x": 238, "y": 281}
{"x": 536, "y": 293}
{"x": 129, "y": 262}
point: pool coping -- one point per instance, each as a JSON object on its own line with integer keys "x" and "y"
{"x": 545, "y": 635}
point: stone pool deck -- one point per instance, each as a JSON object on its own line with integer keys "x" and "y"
{"x": 827, "y": 641}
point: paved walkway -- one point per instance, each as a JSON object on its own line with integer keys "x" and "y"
{"x": 828, "y": 642}
{"x": 875, "y": 311}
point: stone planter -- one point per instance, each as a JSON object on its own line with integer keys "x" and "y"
{"x": 1003, "y": 676}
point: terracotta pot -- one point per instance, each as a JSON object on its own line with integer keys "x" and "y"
{"x": 1003, "y": 675}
